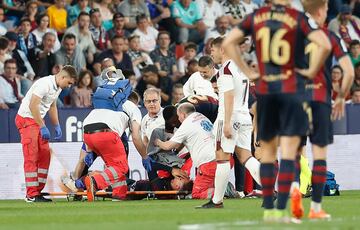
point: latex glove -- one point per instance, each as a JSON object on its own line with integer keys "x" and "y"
{"x": 89, "y": 159}
{"x": 147, "y": 164}
{"x": 58, "y": 132}
{"x": 45, "y": 133}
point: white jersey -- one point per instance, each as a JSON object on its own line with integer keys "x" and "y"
{"x": 148, "y": 124}
{"x": 197, "y": 85}
{"x": 196, "y": 134}
{"x": 47, "y": 90}
{"x": 229, "y": 78}
{"x": 116, "y": 120}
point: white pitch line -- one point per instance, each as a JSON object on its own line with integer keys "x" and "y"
{"x": 211, "y": 226}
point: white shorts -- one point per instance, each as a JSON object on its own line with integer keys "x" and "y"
{"x": 241, "y": 134}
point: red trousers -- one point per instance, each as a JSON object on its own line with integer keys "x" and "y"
{"x": 36, "y": 155}
{"x": 204, "y": 181}
{"x": 109, "y": 147}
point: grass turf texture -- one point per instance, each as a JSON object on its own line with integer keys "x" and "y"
{"x": 167, "y": 214}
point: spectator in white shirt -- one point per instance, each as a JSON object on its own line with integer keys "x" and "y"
{"x": 222, "y": 28}
{"x": 147, "y": 33}
{"x": 10, "y": 93}
{"x": 210, "y": 10}
{"x": 249, "y": 6}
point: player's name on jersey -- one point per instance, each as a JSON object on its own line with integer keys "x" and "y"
{"x": 282, "y": 17}
{"x": 314, "y": 86}
{"x": 277, "y": 77}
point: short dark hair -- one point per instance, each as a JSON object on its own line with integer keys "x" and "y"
{"x": 71, "y": 71}
{"x": 163, "y": 32}
{"x": 117, "y": 37}
{"x": 132, "y": 37}
{"x": 118, "y": 15}
{"x": 93, "y": 11}
{"x": 39, "y": 17}
{"x": 178, "y": 86}
{"x": 140, "y": 17}
{"x": 24, "y": 19}
{"x": 48, "y": 34}
{"x": 354, "y": 43}
{"x": 4, "y": 43}
{"x": 10, "y": 61}
{"x": 191, "y": 45}
{"x": 206, "y": 61}
{"x": 150, "y": 68}
{"x": 193, "y": 62}
{"x": 127, "y": 73}
{"x": 69, "y": 36}
{"x": 83, "y": 13}
{"x": 134, "y": 97}
{"x": 217, "y": 41}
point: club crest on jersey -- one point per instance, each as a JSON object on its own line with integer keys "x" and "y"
{"x": 236, "y": 125}
{"x": 206, "y": 125}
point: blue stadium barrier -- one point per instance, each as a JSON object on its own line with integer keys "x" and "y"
{"x": 71, "y": 124}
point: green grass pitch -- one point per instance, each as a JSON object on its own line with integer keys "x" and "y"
{"x": 167, "y": 214}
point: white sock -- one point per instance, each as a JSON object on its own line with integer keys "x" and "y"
{"x": 253, "y": 166}
{"x": 315, "y": 206}
{"x": 294, "y": 185}
{"x": 221, "y": 180}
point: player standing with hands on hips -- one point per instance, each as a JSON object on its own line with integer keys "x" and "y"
{"x": 40, "y": 99}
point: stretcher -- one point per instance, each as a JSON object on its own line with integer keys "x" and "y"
{"x": 133, "y": 195}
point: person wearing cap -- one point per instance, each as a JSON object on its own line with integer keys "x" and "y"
{"x": 74, "y": 11}
{"x": 346, "y": 25}
{"x": 119, "y": 27}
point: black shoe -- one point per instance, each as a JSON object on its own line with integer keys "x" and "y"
{"x": 38, "y": 198}
{"x": 211, "y": 204}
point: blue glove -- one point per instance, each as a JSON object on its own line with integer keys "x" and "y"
{"x": 58, "y": 132}
{"x": 80, "y": 184}
{"x": 147, "y": 164}
{"x": 89, "y": 159}
{"x": 45, "y": 133}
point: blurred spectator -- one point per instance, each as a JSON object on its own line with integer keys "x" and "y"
{"x": 121, "y": 59}
{"x": 14, "y": 10}
{"x": 190, "y": 53}
{"x": 4, "y": 55}
{"x": 336, "y": 78}
{"x": 160, "y": 14}
{"x": 74, "y": 11}
{"x": 346, "y": 25}
{"x": 151, "y": 79}
{"x": 26, "y": 40}
{"x": 130, "y": 9}
{"x": 355, "y": 96}
{"x": 206, "y": 49}
{"x": 355, "y": 52}
{"x": 191, "y": 68}
{"x": 334, "y": 8}
{"x": 250, "y": 6}
{"x": 356, "y": 83}
{"x": 58, "y": 16}
{"x": 42, "y": 21}
{"x": 147, "y": 34}
{"x": 83, "y": 36}
{"x": 118, "y": 29}
{"x": 296, "y": 4}
{"x": 98, "y": 32}
{"x": 139, "y": 59}
{"x": 10, "y": 93}
{"x": 105, "y": 63}
{"x": 42, "y": 58}
{"x": 235, "y": 10}
{"x": 3, "y": 28}
{"x": 70, "y": 53}
{"x": 210, "y": 10}
{"x": 129, "y": 74}
{"x": 163, "y": 58}
{"x": 80, "y": 95}
{"x": 31, "y": 11}
{"x": 104, "y": 6}
{"x": 177, "y": 93}
{"x": 188, "y": 19}
{"x": 24, "y": 67}
{"x": 222, "y": 28}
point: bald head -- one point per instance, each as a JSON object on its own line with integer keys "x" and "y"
{"x": 184, "y": 110}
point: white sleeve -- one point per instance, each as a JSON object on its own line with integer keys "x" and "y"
{"x": 225, "y": 83}
{"x": 187, "y": 88}
{"x": 180, "y": 134}
{"x": 40, "y": 90}
{"x": 181, "y": 65}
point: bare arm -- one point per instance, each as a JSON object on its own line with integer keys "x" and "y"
{"x": 228, "y": 104}
{"x": 139, "y": 145}
{"x": 179, "y": 23}
{"x": 53, "y": 114}
{"x": 230, "y": 46}
{"x": 348, "y": 77}
{"x": 35, "y": 110}
{"x": 167, "y": 145}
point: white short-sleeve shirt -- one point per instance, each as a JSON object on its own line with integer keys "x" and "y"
{"x": 116, "y": 120}
{"x": 47, "y": 90}
{"x": 196, "y": 134}
{"x": 197, "y": 85}
{"x": 148, "y": 124}
{"x": 148, "y": 39}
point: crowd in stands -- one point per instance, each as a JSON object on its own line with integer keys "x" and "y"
{"x": 155, "y": 43}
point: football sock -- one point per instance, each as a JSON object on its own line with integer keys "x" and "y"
{"x": 315, "y": 206}
{"x": 221, "y": 180}
{"x": 267, "y": 174}
{"x": 318, "y": 180}
{"x": 286, "y": 177}
{"x": 253, "y": 166}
